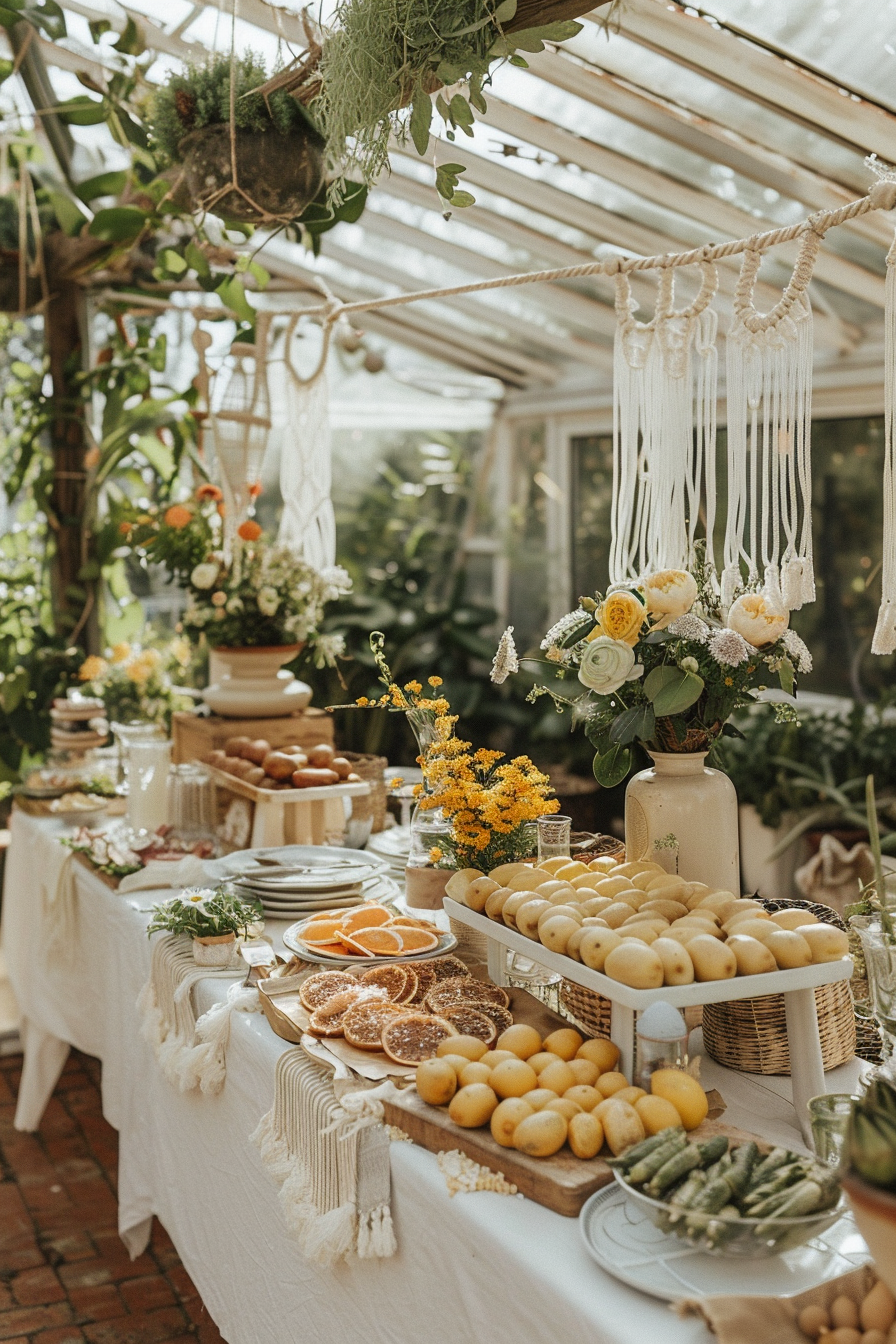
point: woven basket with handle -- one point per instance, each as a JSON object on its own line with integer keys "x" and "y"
{"x": 751, "y": 1034}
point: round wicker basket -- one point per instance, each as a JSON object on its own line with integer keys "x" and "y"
{"x": 751, "y": 1034}
{"x": 590, "y": 1010}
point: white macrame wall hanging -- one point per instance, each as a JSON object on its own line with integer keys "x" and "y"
{"x": 885, "y": 632}
{"x": 308, "y": 524}
{"x": 239, "y": 420}
{"x": 769, "y": 376}
{"x": 664, "y": 429}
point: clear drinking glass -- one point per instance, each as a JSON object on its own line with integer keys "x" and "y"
{"x": 191, "y": 802}
{"x": 553, "y": 837}
{"x": 829, "y": 1117}
{"x": 880, "y": 963}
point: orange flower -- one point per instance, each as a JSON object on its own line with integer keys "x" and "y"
{"x": 125, "y": 529}
{"x": 249, "y": 530}
{"x": 177, "y": 516}
{"x": 208, "y": 491}
{"x": 255, "y": 490}
{"x": 221, "y": 510}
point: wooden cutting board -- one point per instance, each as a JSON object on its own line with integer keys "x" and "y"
{"x": 562, "y": 1182}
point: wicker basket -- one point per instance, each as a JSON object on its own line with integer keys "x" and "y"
{"x": 372, "y": 769}
{"x": 589, "y": 1009}
{"x": 751, "y": 1034}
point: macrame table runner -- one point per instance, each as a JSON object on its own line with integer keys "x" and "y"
{"x": 191, "y": 1053}
{"x": 331, "y": 1157}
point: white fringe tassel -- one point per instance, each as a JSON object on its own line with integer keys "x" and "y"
{"x": 769, "y": 375}
{"x": 885, "y": 631}
{"x": 664, "y": 429}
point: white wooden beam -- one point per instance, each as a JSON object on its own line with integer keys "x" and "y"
{"x": 748, "y": 69}
{"x": 682, "y": 200}
{"x": 701, "y": 135}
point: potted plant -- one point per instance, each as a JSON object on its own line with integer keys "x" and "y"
{"x": 870, "y": 1177}
{"x": 247, "y": 156}
{"x": 659, "y": 663}
{"x": 257, "y": 608}
{"x": 212, "y": 919}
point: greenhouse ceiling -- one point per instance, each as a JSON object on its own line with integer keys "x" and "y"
{"x": 682, "y": 126}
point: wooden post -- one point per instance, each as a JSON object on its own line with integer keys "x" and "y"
{"x": 75, "y": 598}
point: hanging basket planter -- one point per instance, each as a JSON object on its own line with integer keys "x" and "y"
{"x": 277, "y": 175}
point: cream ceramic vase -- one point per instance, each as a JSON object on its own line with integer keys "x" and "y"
{"x": 683, "y": 815}
{"x": 253, "y": 685}
{"x": 214, "y": 950}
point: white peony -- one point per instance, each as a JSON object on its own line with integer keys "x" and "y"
{"x": 204, "y": 576}
{"x": 607, "y": 664}
{"x": 759, "y": 620}
{"x": 268, "y": 601}
{"x": 669, "y": 593}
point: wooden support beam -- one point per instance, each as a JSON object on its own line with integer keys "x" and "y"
{"x": 686, "y": 201}
{"x": 750, "y": 70}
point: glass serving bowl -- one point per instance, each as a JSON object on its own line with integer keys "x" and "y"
{"x": 747, "y": 1238}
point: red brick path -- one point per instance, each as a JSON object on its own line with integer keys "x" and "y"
{"x": 65, "y": 1276}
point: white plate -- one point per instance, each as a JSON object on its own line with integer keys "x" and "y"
{"x": 447, "y": 943}
{"x": 323, "y": 863}
{"x": 624, "y": 1242}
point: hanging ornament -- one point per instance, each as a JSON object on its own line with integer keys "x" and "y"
{"x": 308, "y": 524}
{"x": 769, "y": 376}
{"x": 240, "y": 426}
{"x": 664, "y": 429}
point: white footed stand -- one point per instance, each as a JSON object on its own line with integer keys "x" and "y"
{"x": 798, "y": 988}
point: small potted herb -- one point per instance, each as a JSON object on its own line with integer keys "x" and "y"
{"x": 275, "y": 150}
{"x": 211, "y": 918}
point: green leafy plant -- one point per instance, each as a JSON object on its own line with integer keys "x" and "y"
{"x": 383, "y": 59}
{"x": 871, "y": 1136}
{"x": 201, "y": 913}
{"x": 200, "y": 96}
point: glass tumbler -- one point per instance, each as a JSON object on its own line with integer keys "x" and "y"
{"x": 191, "y": 802}
{"x": 553, "y": 837}
{"x": 829, "y": 1116}
{"x": 147, "y": 770}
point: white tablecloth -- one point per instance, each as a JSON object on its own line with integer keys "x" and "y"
{"x": 476, "y": 1268}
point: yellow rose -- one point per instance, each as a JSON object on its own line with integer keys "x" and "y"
{"x": 92, "y": 668}
{"x": 621, "y": 617}
{"x": 121, "y": 653}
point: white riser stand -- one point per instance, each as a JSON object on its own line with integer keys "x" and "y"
{"x": 798, "y": 988}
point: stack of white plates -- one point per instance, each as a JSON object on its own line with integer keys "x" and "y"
{"x": 393, "y": 847}
{"x": 296, "y": 880}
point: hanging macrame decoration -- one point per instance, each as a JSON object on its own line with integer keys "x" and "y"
{"x": 885, "y": 632}
{"x": 240, "y": 424}
{"x": 769, "y": 376}
{"x": 664, "y": 430}
{"x": 308, "y": 524}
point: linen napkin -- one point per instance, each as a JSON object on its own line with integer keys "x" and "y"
{"x": 772, "y": 1320}
{"x": 186, "y": 872}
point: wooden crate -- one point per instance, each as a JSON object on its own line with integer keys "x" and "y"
{"x": 196, "y": 735}
{"x": 282, "y": 816}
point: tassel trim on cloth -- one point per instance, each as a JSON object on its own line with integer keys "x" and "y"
{"x": 884, "y": 640}
{"x": 331, "y": 1159}
{"x": 191, "y": 1054}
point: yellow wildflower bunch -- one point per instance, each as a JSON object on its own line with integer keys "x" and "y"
{"x": 491, "y": 806}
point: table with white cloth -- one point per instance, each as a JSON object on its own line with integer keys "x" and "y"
{"x": 476, "y": 1267}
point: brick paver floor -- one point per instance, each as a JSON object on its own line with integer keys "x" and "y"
{"x": 65, "y": 1276}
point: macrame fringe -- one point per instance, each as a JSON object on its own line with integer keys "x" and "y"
{"x": 769, "y": 377}
{"x": 376, "y": 1235}
{"x": 308, "y": 523}
{"x": 664, "y": 430}
{"x": 885, "y": 631}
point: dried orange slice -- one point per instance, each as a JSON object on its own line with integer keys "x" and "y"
{"x": 320, "y": 931}
{"x": 365, "y": 917}
{"x": 375, "y": 942}
{"x": 417, "y": 940}
{"x": 334, "y": 950}
{"x": 409, "y": 922}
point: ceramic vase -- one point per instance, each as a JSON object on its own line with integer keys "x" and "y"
{"x": 683, "y": 815}
{"x": 254, "y": 685}
{"x": 215, "y": 950}
{"x": 875, "y": 1215}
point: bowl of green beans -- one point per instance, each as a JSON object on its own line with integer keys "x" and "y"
{"x": 729, "y": 1199}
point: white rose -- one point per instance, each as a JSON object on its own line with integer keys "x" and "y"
{"x": 204, "y": 576}
{"x": 669, "y": 593}
{"x": 607, "y": 664}
{"x": 268, "y": 601}
{"x": 758, "y": 620}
